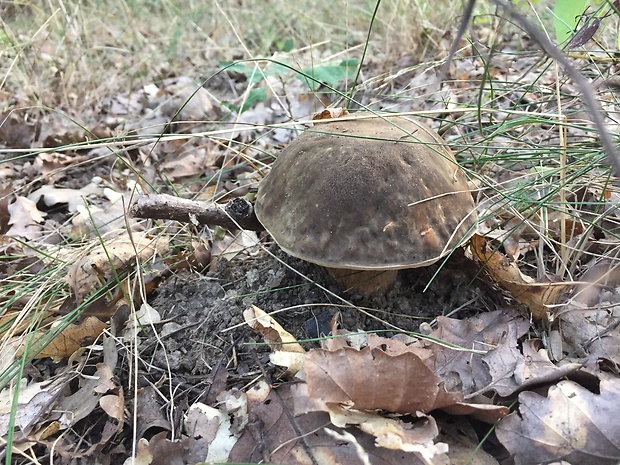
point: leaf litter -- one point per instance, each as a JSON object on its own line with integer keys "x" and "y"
{"x": 384, "y": 398}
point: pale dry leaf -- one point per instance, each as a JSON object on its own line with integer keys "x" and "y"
{"x": 25, "y": 219}
{"x": 214, "y": 426}
{"x": 231, "y": 246}
{"x": 271, "y": 330}
{"x": 189, "y": 165}
{"x": 194, "y": 101}
{"x": 51, "y": 164}
{"x": 292, "y": 361}
{"x": 110, "y": 218}
{"x": 417, "y": 437}
{"x": 589, "y": 323}
{"x": 278, "y": 436}
{"x": 144, "y": 456}
{"x": 329, "y": 113}
{"x": 51, "y": 196}
{"x": 106, "y": 261}
{"x": 113, "y": 405}
{"x": 146, "y": 315}
{"x": 33, "y": 402}
{"x": 235, "y": 405}
{"x": 571, "y": 423}
{"x": 82, "y": 402}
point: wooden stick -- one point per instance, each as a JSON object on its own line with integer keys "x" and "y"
{"x": 236, "y": 214}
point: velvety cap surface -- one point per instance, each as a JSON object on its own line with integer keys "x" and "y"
{"x": 367, "y": 194}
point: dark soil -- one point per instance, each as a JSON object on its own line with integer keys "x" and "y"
{"x": 203, "y": 314}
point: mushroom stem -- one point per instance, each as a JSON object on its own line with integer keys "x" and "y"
{"x": 366, "y": 282}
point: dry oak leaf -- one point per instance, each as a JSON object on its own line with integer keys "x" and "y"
{"x": 107, "y": 261}
{"x": 276, "y": 435}
{"x": 571, "y": 423}
{"x": 537, "y": 296}
{"x": 464, "y": 370}
{"x": 370, "y": 379}
{"x": 71, "y": 338}
{"x": 513, "y": 370}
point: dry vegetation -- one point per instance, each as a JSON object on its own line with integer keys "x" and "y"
{"x": 141, "y": 341}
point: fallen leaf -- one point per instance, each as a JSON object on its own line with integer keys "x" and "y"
{"x": 105, "y": 262}
{"x": 145, "y": 316}
{"x": 417, "y": 436}
{"x": 214, "y": 427}
{"x": 51, "y": 196}
{"x": 457, "y": 356}
{"x": 25, "y": 219}
{"x": 271, "y": 330}
{"x": 370, "y": 379}
{"x": 513, "y": 370}
{"x": 144, "y": 455}
{"x": 114, "y": 406}
{"x": 33, "y": 402}
{"x": 231, "y": 246}
{"x": 189, "y": 165}
{"x": 537, "y": 296}
{"x": 275, "y": 435}
{"x": 70, "y": 339}
{"x": 330, "y": 113}
{"x": 570, "y": 423}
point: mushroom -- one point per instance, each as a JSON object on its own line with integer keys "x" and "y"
{"x": 367, "y": 194}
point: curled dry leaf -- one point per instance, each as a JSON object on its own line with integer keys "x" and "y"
{"x": 461, "y": 367}
{"x": 417, "y": 437}
{"x": 111, "y": 259}
{"x": 271, "y": 330}
{"x": 571, "y": 423}
{"x": 537, "y": 296}
{"x": 33, "y": 402}
{"x": 330, "y": 113}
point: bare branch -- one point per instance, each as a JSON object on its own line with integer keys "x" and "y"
{"x": 236, "y": 214}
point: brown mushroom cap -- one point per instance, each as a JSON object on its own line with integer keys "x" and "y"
{"x": 367, "y": 194}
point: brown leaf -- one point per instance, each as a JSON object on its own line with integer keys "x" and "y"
{"x": 570, "y": 423}
{"x": 15, "y": 131}
{"x": 114, "y": 406}
{"x": 275, "y": 435}
{"x": 82, "y": 402}
{"x": 71, "y": 338}
{"x": 535, "y": 295}
{"x": 370, "y": 379}
{"x": 462, "y": 370}
{"x": 513, "y": 370}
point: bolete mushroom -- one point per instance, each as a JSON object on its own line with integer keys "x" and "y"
{"x": 372, "y": 194}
